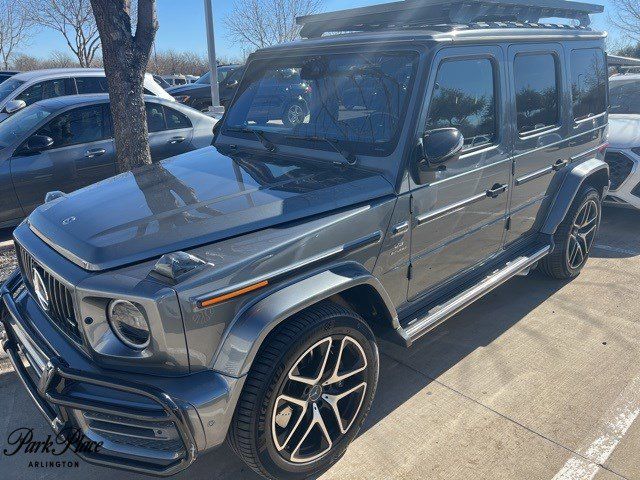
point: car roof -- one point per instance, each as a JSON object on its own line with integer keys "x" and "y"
{"x": 58, "y": 72}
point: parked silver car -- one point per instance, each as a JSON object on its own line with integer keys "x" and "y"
{"x": 27, "y": 88}
{"x": 66, "y": 143}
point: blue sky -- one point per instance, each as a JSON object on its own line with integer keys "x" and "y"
{"x": 182, "y": 27}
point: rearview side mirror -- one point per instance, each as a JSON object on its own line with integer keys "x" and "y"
{"x": 436, "y": 148}
{"x": 37, "y": 144}
{"x": 15, "y": 106}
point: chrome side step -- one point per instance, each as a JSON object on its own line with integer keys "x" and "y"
{"x": 420, "y": 326}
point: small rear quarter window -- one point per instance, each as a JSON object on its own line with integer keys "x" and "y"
{"x": 588, "y": 83}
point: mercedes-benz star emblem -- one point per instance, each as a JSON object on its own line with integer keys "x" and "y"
{"x": 41, "y": 290}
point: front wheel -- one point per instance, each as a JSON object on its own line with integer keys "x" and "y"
{"x": 575, "y": 237}
{"x": 307, "y": 395}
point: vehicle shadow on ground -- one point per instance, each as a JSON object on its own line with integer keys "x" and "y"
{"x": 5, "y": 234}
{"x": 619, "y": 234}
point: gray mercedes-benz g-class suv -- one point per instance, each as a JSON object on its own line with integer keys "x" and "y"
{"x": 238, "y": 292}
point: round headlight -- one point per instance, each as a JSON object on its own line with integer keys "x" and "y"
{"x": 129, "y": 324}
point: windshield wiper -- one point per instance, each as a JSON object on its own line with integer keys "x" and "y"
{"x": 270, "y": 146}
{"x": 350, "y": 157}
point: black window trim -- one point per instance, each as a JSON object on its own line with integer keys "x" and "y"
{"x": 560, "y": 84}
{"x": 451, "y": 56}
{"x": 578, "y": 122}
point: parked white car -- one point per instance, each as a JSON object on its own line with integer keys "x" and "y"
{"x": 28, "y": 88}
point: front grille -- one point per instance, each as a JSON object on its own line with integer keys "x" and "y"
{"x": 61, "y": 311}
{"x": 620, "y": 167}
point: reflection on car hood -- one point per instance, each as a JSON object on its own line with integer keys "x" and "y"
{"x": 192, "y": 200}
{"x": 624, "y": 131}
{"x": 186, "y": 89}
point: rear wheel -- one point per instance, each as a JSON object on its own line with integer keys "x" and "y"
{"x": 575, "y": 236}
{"x": 307, "y": 394}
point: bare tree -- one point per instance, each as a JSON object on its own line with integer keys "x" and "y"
{"x": 626, "y": 17}
{"x": 15, "y": 27}
{"x": 55, "y": 60}
{"x": 126, "y": 55}
{"x": 262, "y": 23}
{"x": 74, "y": 20}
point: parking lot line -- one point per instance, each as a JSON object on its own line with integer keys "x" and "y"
{"x": 613, "y": 427}
{"x": 621, "y": 251}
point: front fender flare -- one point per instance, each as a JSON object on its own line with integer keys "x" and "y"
{"x": 247, "y": 333}
{"x": 593, "y": 169}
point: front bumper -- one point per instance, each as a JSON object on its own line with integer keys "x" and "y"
{"x": 154, "y": 426}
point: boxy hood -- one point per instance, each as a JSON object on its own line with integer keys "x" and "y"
{"x": 195, "y": 199}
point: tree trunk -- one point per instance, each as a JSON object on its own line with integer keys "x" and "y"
{"x": 125, "y": 62}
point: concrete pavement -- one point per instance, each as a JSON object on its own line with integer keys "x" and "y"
{"x": 539, "y": 380}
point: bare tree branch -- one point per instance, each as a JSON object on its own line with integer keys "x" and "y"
{"x": 627, "y": 18}
{"x": 262, "y": 23}
{"x": 74, "y": 20}
{"x": 16, "y": 26}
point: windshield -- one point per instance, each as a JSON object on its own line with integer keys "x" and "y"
{"x": 205, "y": 79}
{"x": 625, "y": 96}
{"x": 20, "y": 123}
{"x": 6, "y": 88}
{"x": 356, "y": 101}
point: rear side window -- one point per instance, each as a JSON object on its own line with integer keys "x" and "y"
{"x": 155, "y": 117}
{"x": 43, "y": 90}
{"x": 176, "y": 119}
{"x": 464, "y": 98}
{"x": 75, "y": 127}
{"x": 537, "y": 92}
{"x": 92, "y": 85}
{"x": 588, "y": 83}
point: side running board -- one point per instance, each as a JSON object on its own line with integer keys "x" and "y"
{"x": 425, "y": 322}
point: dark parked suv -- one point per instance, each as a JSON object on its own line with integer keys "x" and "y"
{"x": 239, "y": 292}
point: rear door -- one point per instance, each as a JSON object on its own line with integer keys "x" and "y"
{"x": 459, "y": 216}
{"x": 538, "y": 87}
{"x": 83, "y": 153}
{"x": 170, "y": 131}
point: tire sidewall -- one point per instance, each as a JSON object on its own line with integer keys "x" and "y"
{"x": 266, "y": 450}
{"x": 587, "y": 195}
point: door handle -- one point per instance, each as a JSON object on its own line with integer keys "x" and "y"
{"x": 497, "y": 190}
{"x": 96, "y": 152}
{"x": 560, "y": 164}
{"x": 400, "y": 228}
{"x": 176, "y": 140}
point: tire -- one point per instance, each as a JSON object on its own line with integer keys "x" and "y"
{"x": 273, "y": 436}
{"x": 294, "y": 113}
{"x": 567, "y": 260}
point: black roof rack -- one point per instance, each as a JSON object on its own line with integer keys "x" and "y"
{"x": 422, "y": 13}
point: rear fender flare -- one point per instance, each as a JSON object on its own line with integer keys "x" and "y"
{"x": 594, "y": 171}
{"x": 248, "y": 332}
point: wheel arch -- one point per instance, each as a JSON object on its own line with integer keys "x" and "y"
{"x": 593, "y": 172}
{"x": 344, "y": 284}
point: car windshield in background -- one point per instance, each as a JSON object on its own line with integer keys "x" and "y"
{"x": 625, "y": 96}
{"x": 356, "y": 101}
{"x": 204, "y": 79}
{"x": 8, "y": 87}
{"x": 16, "y": 126}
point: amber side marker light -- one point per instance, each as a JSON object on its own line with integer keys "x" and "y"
{"x": 228, "y": 296}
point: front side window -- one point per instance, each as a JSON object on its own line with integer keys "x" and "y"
{"x": 355, "y": 100}
{"x": 464, "y": 98}
{"x": 537, "y": 100}
{"x": 88, "y": 85}
{"x": 8, "y": 87}
{"x": 43, "y": 90}
{"x": 175, "y": 119}
{"x": 75, "y": 127}
{"x": 15, "y": 127}
{"x": 588, "y": 83}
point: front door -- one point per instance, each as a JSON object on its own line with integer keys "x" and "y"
{"x": 82, "y": 154}
{"x": 459, "y": 216}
